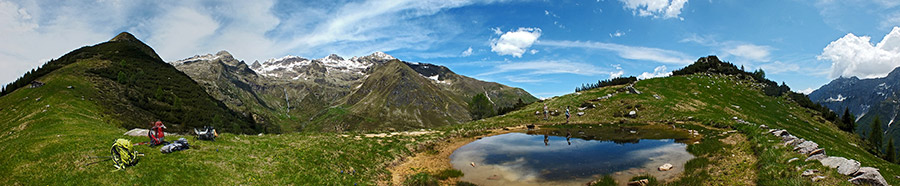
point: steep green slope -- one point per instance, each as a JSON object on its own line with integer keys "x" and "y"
{"x": 136, "y": 87}
{"x": 49, "y": 142}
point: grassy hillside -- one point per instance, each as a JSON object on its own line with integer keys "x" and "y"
{"x": 709, "y": 103}
{"x": 71, "y": 129}
{"x": 48, "y": 142}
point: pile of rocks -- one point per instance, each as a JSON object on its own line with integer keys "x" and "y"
{"x": 849, "y": 167}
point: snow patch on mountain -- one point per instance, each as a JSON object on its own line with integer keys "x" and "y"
{"x": 838, "y": 99}
{"x": 436, "y": 79}
{"x": 332, "y": 63}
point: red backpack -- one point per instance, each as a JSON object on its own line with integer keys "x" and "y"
{"x": 157, "y": 133}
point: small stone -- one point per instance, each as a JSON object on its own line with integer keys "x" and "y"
{"x": 809, "y": 172}
{"x": 580, "y": 113}
{"x": 817, "y": 151}
{"x": 473, "y": 164}
{"x": 70, "y": 87}
{"x": 792, "y": 160}
{"x": 666, "y": 167}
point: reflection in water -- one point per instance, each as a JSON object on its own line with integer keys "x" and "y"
{"x": 519, "y": 158}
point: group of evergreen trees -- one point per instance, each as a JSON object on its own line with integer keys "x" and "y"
{"x": 876, "y": 140}
{"x": 606, "y": 83}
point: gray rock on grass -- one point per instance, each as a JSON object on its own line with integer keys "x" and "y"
{"x": 868, "y": 175}
{"x": 844, "y": 166}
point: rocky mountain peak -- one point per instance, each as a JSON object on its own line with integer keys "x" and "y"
{"x": 381, "y": 55}
{"x": 255, "y": 65}
{"x": 224, "y": 53}
{"x": 334, "y": 57}
{"x": 894, "y": 75}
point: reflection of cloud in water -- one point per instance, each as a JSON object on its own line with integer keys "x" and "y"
{"x": 517, "y": 158}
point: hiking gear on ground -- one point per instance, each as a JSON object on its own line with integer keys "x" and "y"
{"x": 123, "y": 154}
{"x": 157, "y": 134}
{"x": 180, "y": 144}
{"x": 208, "y": 133}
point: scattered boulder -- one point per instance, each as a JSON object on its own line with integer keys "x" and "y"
{"x": 806, "y": 147}
{"x": 794, "y": 142}
{"x": 537, "y": 112}
{"x": 818, "y": 157}
{"x": 70, "y": 87}
{"x": 763, "y": 126}
{"x": 666, "y": 167}
{"x": 817, "y": 151}
{"x": 632, "y": 113}
{"x": 844, "y": 166}
{"x": 780, "y": 133}
{"x": 792, "y": 160}
{"x": 868, "y": 175}
{"x": 788, "y": 138}
{"x": 580, "y": 113}
{"x": 656, "y": 96}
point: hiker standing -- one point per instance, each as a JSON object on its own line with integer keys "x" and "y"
{"x": 546, "y": 112}
{"x": 567, "y": 115}
{"x": 157, "y": 133}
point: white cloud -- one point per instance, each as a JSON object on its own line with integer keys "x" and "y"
{"x": 854, "y": 55}
{"x": 515, "y": 43}
{"x": 36, "y": 31}
{"x": 665, "y": 9}
{"x": 616, "y": 74}
{"x": 546, "y": 67}
{"x": 467, "y": 52}
{"x": 627, "y": 52}
{"x": 659, "y": 71}
{"x": 169, "y": 36}
{"x": 497, "y": 30}
{"x": 617, "y": 34}
{"x": 749, "y": 52}
{"x": 806, "y": 91}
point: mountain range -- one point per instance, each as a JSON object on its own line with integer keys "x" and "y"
{"x": 865, "y": 99}
{"x": 332, "y": 93}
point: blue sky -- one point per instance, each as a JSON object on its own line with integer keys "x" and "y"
{"x": 546, "y": 47}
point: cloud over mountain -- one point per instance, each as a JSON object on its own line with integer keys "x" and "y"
{"x": 853, "y": 55}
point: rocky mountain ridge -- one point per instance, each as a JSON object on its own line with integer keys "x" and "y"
{"x": 368, "y": 90}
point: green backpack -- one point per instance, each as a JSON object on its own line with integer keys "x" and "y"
{"x": 123, "y": 154}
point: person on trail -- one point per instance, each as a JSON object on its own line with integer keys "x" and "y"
{"x": 546, "y": 112}
{"x": 157, "y": 133}
{"x": 567, "y": 114}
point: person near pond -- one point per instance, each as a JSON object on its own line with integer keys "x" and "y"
{"x": 567, "y": 115}
{"x": 546, "y": 112}
{"x": 568, "y": 136}
{"x": 546, "y": 140}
